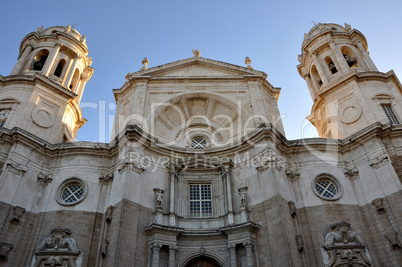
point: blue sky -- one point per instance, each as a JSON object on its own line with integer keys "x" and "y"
{"x": 121, "y": 33}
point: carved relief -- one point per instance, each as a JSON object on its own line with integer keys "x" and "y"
{"x": 393, "y": 239}
{"x": 106, "y": 178}
{"x": 379, "y": 204}
{"x": 351, "y": 173}
{"x": 345, "y": 247}
{"x": 58, "y": 250}
{"x": 4, "y": 249}
{"x": 109, "y": 214}
{"x": 299, "y": 243}
{"x": 17, "y": 213}
{"x": 379, "y": 161}
{"x": 292, "y": 208}
{"x": 267, "y": 159}
{"x": 132, "y": 159}
{"x": 292, "y": 175}
{"x": 45, "y": 179}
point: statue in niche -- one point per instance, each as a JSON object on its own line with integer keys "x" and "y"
{"x": 159, "y": 194}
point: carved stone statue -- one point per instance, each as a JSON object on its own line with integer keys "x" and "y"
{"x": 159, "y": 194}
{"x": 243, "y": 196}
{"x": 40, "y": 30}
{"x": 345, "y": 247}
{"x": 196, "y": 53}
{"x": 348, "y": 28}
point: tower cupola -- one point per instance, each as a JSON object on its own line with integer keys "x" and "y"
{"x": 348, "y": 91}
{"x": 43, "y": 92}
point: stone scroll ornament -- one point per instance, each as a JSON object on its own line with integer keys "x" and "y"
{"x": 57, "y": 250}
{"x": 345, "y": 247}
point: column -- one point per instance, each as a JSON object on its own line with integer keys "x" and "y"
{"x": 156, "y": 247}
{"x": 172, "y": 256}
{"x": 51, "y": 58}
{"x": 366, "y": 56}
{"x": 172, "y": 216}
{"x": 226, "y": 172}
{"x": 249, "y": 253}
{"x": 319, "y": 69}
{"x": 339, "y": 57}
{"x": 71, "y": 71}
{"x": 311, "y": 86}
{"x": 22, "y": 60}
{"x": 232, "y": 254}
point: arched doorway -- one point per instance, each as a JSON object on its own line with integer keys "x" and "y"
{"x": 203, "y": 262}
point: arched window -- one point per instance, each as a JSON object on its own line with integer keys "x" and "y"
{"x": 40, "y": 59}
{"x": 75, "y": 80}
{"x": 59, "y": 69}
{"x": 349, "y": 56}
{"x": 315, "y": 76}
{"x": 331, "y": 65}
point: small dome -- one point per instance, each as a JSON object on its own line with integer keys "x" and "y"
{"x": 61, "y": 29}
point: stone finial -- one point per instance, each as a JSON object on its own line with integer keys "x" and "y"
{"x": 196, "y": 53}
{"x": 68, "y": 29}
{"x": 348, "y": 28}
{"x": 40, "y": 30}
{"x": 145, "y": 62}
{"x": 247, "y": 61}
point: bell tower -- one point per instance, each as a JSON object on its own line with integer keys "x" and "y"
{"x": 43, "y": 92}
{"x": 348, "y": 91}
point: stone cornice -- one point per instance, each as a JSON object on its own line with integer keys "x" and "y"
{"x": 134, "y": 134}
{"x": 37, "y": 77}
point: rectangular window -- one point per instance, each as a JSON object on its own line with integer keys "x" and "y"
{"x": 200, "y": 200}
{"x": 390, "y": 113}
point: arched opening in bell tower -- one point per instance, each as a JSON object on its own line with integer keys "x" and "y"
{"x": 40, "y": 60}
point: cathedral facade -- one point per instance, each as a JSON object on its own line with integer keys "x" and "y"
{"x": 198, "y": 171}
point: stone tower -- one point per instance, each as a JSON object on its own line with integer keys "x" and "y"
{"x": 43, "y": 92}
{"x": 349, "y": 92}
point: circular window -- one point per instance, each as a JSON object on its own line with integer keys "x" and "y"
{"x": 327, "y": 188}
{"x": 198, "y": 143}
{"x": 71, "y": 192}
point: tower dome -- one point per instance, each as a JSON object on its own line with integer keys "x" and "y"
{"x": 348, "y": 91}
{"x": 43, "y": 92}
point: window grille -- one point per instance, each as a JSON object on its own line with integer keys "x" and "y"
{"x": 390, "y": 113}
{"x": 72, "y": 193}
{"x": 198, "y": 143}
{"x": 326, "y": 188}
{"x": 200, "y": 200}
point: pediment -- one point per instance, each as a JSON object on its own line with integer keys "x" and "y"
{"x": 197, "y": 67}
